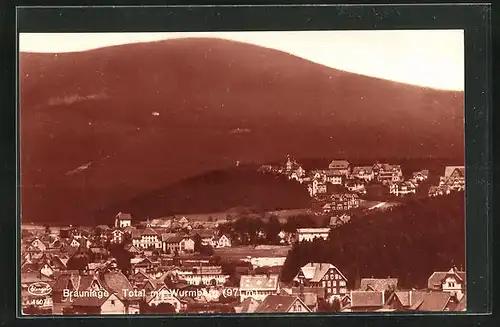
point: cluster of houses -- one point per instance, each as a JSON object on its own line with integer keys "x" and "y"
{"x": 193, "y": 283}
{"x": 342, "y": 178}
{"x": 351, "y": 178}
{"x": 452, "y": 180}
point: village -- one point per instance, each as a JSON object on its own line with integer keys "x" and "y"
{"x": 231, "y": 262}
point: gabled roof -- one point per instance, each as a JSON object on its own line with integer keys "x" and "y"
{"x": 259, "y": 282}
{"x": 249, "y": 305}
{"x": 403, "y": 297}
{"x": 361, "y": 299}
{"x": 93, "y": 301}
{"x": 378, "y": 284}
{"x": 116, "y": 282}
{"x": 364, "y": 169}
{"x": 174, "y": 239}
{"x": 339, "y": 164}
{"x": 149, "y": 231}
{"x": 390, "y": 167}
{"x": 436, "y": 279}
{"x": 278, "y": 303}
{"x": 449, "y": 170}
{"x": 462, "y": 305}
{"x": 166, "y": 236}
{"x": 124, "y": 216}
{"x": 203, "y": 233}
{"x": 429, "y": 301}
{"x": 314, "y": 272}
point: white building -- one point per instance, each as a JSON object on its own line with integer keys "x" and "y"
{"x": 206, "y": 275}
{"x": 123, "y": 220}
{"x": 452, "y": 281}
{"x": 258, "y": 287}
{"x": 146, "y": 239}
{"x": 223, "y": 242}
{"x": 309, "y": 234}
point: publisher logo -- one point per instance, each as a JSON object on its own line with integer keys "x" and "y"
{"x": 39, "y": 288}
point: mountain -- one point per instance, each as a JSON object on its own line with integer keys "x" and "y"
{"x": 103, "y": 126}
{"x": 410, "y": 243}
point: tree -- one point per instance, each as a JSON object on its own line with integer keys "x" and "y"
{"x": 122, "y": 257}
{"x": 79, "y": 261}
{"x": 46, "y": 229}
{"x": 210, "y": 219}
{"x": 197, "y": 243}
{"x": 273, "y": 228}
{"x": 207, "y": 250}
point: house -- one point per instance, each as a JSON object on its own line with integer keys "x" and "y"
{"x": 178, "y": 243}
{"x": 355, "y": 185}
{"x": 249, "y": 305}
{"x": 206, "y": 235}
{"x": 402, "y": 188}
{"x": 335, "y": 177}
{"x": 74, "y": 243}
{"x": 325, "y": 276}
{"x": 452, "y": 281}
{"x": 130, "y": 248}
{"x": 420, "y": 176}
{"x": 339, "y": 220}
{"x": 123, "y": 220}
{"x": 454, "y": 178}
{"x": 117, "y": 236}
{"x": 439, "y": 190}
{"x": 143, "y": 264}
{"x": 107, "y": 304}
{"x": 146, "y": 239}
{"x": 364, "y": 173}
{"x": 389, "y": 173}
{"x": 203, "y": 275}
{"x": 378, "y": 284}
{"x": 365, "y": 301}
{"x": 292, "y": 169}
{"x": 101, "y": 293}
{"x": 37, "y": 245}
{"x": 310, "y": 234}
{"x": 343, "y": 201}
{"x": 316, "y": 187}
{"x": 162, "y": 294}
{"x": 310, "y": 299}
{"x": 422, "y": 301}
{"x": 432, "y": 301}
{"x": 258, "y": 287}
{"x": 342, "y": 166}
{"x": 461, "y": 305}
{"x": 264, "y": 261}
{"x": 282, "y": 304}
{"x": 223, "y": 242}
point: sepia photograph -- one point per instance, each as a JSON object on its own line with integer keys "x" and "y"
{"x": 242, "y": 172}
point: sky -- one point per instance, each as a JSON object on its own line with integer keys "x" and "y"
{"x": 431, "y": 58}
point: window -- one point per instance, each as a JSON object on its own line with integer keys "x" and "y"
{"x": 113, "y": 302}
{"x": 328, "y": 290}
{"x": 324, "y": 283}
{"x": 329, "y": 284}
{"x": 334, "y": 290}
{"x": 343, "y": 291}
{"x": 336, "y": 276}
{"x": 334, "y": 283}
